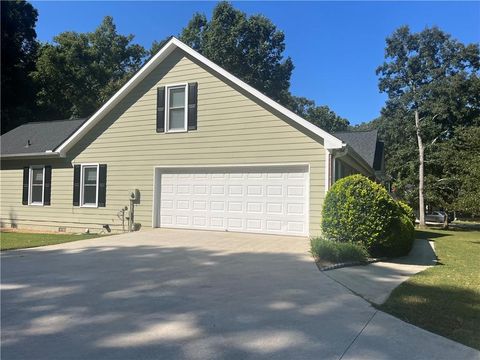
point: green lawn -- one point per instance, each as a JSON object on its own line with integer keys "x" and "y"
{"x": 18, "y": 240}
{"x": 444, "y": 299}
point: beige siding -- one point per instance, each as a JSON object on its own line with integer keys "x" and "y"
{"x": 233, "y": 129}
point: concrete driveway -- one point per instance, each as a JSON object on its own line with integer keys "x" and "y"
{"x": 171, "y": 294}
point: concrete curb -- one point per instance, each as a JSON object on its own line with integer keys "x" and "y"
{"x": 347, "y": 264}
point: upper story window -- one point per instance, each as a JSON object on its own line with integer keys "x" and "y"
{"x": 89, "y": 185}
{"x": 37, "y": 185}
{"x": 176, "y": 108}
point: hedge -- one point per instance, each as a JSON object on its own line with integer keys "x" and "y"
{"x": 359, "y": 210}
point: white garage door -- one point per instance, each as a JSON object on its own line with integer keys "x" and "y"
{"x": 270, "y": 200}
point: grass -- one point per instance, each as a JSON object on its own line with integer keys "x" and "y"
{"x": 444, "y": 299}
{"x": 19, "y": 240}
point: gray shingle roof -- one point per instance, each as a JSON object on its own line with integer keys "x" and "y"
{"x": 41, "y": 136}
{"x": 363, "y": 142}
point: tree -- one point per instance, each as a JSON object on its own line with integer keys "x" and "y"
{"x": 419, "y": 74}
{"x": 321, "y": 116}
{"x": 252, "y": 49}
{"x": 458, "y": 187}
{"x": 249, "y": 47}
{"x": 19, "y": 48}
{"x": 80, "y": 71}
{"x": 157, "y": 45}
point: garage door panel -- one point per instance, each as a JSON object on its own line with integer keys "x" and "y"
{"x": 267, "y": 200}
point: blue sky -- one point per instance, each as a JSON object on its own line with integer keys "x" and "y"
{"x": 335, "y": 46}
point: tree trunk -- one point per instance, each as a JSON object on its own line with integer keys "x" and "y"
{"x": 445, "y": 221}
{"x": 421, "y": 148}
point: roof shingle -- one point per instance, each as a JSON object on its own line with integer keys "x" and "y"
{"x": 363, "y": 142}
{"x": 38, "y": 137}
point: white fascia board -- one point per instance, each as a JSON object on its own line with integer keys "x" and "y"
{"x": 330, "y": 141}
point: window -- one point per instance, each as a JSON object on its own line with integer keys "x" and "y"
{"x": 89, "y": 185}
{"x": 36, "y": 186}
{"x": 176, "y": 108}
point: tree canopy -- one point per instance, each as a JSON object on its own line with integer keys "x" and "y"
{"x": 19, "y": 50}
{"x": 438, "y": 77}
{"x": 78, "y": 72}
{"x": 251, "y": 47}
{"x": 321, "y": 116}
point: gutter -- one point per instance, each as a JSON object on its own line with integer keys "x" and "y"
{"x": 46, "y": 154}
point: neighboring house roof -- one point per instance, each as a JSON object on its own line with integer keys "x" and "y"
{"x": 37, "y": 137}
{"x": 330, "y": 141}
{"x": 365, "y": 144}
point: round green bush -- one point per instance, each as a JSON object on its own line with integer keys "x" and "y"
{"x": 400, "y": 237}
{"x": 359, "y": 210}
{"x": 407, "y": 210}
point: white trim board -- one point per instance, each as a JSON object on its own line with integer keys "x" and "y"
{"x": 330, "y": 141}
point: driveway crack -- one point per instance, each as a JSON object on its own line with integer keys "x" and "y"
{"x": 359, "y": 333}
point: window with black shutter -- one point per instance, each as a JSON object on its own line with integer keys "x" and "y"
{"x": 36, "y": 185}
{"x": 102, "y": 185}
{"x": 90, "y": 185}
{"x": 47, "y": 189}
{"x": 76, "y": 185}
{"x": 192, "y": 106}
{"x": 177, "y": 108}
{"x": 161, "y": 109}
{"x": 26, "y": 184}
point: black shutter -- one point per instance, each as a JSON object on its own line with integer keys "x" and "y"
{"x": 161, "y": 109}
{"x": 26, "y": 176}
{"x": 76, "y": 185}
{"x": 47, "y": 185}
{"x": 102, "y": 185}
{"x": 192, "y": 106}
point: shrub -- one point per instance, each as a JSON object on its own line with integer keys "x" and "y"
{"x": 324, "y": 249}
{"x": 358, "y": 210}
{"x": 337, "y": 252}
{"x": 400, "y": 237}
{"x": 352, "y": 252}
{"x": 407, "y": 210}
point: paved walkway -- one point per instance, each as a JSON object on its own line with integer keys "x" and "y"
{"x": 171, "y": 294}
{"x": 375, "y": 282}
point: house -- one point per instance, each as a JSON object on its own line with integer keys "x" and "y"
{"x": 196, "y": 147}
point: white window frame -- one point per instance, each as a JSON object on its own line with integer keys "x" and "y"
{"x": 167, "y": 108}
{"x": 82, "y": 172}
{"x": 30, "y": 185}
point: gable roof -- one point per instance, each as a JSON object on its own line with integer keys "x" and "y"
{"x": 363, "y": 142}
{"x": 330, "y": 141}
{"x": 37, "y": 137}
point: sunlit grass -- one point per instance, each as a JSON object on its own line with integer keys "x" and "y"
{"x": 19, "y": 240}
{"x": 444, "y": 299}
